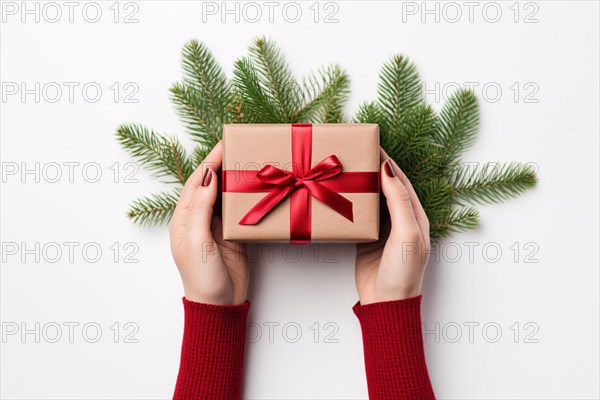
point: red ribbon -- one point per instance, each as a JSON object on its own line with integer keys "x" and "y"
{"x": 324, "y": 181}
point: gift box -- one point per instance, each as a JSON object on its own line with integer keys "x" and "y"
{"x": 300, "y": 183}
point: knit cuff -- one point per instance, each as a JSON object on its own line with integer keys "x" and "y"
{"x": 393, "y": 347}
{"x": 212, "y": 353}
{"x": 402, "y": 313}
{"x": 230, "y": 313}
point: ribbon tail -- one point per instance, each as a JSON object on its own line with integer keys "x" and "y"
{"x": 265, "y": 205}
{"x": 334, "y": 200}
{"x": 300, "y": 216}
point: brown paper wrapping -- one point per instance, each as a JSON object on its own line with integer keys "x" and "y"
{"x": 252, "y": 146}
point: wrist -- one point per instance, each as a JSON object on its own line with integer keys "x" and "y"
{"x": 388, "y": 302}
{"x": 213, "y": 300}
{"x": 382, "y": 297}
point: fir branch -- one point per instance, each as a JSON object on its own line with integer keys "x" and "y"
{"x": 332, "y": 111}
{"x": 492, "y": 182}
{"x": 275, "y": 77}
{"x": 159, "y": 154}
{"x": 399, "y": 91}
{"x": 456, "y": 221}
{"x": 198, "y": 155}
{"x": 177, "y": 156}
{"x": 213, "y": 93}
{"x": 457, "y": 125}
{"x": 422, "y": 164}
{"x": 256, "y": 105}
{"x": 416, "y": 135}
{"x": 154, "y": 209}
{"x": 420, "y": 125}
{"x": 236, "y": 109}
{"x": 325, "y": 94}
{"x": 368, "y": 113}
{"x": 194, "y": 111}
{"x": 268, "y": 93}
{"x": 436, "y": 198}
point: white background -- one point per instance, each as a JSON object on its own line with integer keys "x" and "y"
{"x": 551, "y": 282}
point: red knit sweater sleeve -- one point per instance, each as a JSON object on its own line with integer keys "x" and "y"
{"x": 393, "y": 348}
{"x": 212, "y": 353}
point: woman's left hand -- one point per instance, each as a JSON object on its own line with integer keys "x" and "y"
{"x": 212, "y": 270}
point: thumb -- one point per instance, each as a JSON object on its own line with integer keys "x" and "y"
{"x": 404, "y": 223}
{"x": 202, "y": 203}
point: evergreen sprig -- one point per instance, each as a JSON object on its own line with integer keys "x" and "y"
{"x": 399, "y": 93}
{"x": 325, "y": 95}
{"x": 154, "y": 209}
{"x": 457, "y": 125}
{"x": 203, "y": 98}
{"x": 162, "y": 155}
{"x": 491, "y": 182}
{"x": 427, "y": 145}
{"x": 267, "y": 91}
{"x": 275, "y": 78}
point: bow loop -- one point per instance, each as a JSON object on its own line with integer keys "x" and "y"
{"x": 274, "y": 176}
{"x": 327, "y": 168}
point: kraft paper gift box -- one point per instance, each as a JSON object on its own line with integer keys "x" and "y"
{"x": 301, "y": 183}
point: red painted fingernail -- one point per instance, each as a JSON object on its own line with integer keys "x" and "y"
{"x": 389, "y": 168}
{"x": 207, "y": 177}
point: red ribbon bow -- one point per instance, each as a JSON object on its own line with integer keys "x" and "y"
{"x": 285, "y": 182}
{"x": 324, "y": 181}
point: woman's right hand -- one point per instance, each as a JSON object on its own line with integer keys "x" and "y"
{"x": 393, "y": 267}
{"x": 213, "y": 271}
